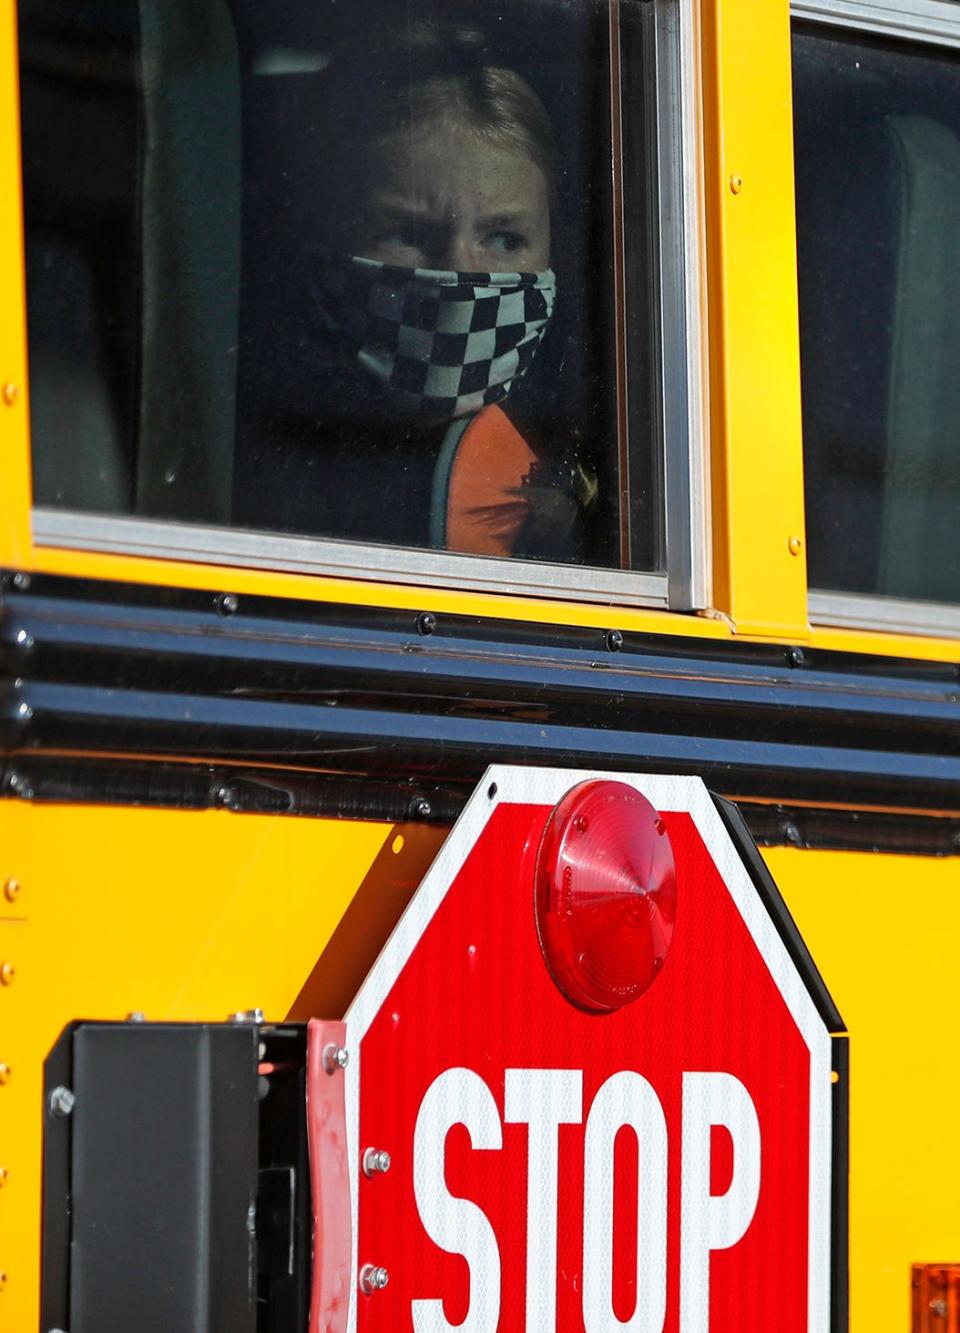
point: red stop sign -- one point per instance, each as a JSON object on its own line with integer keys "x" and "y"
{"x": 666, "y": 1165}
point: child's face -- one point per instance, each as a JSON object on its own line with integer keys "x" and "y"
{"x": 443, "y": 197}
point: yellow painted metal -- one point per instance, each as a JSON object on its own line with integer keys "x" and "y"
{"x": 14, "y": 464}
{"x": 757, "y": 475}
{"x": 180, "y": 914}
{"x": 884, "y": 932}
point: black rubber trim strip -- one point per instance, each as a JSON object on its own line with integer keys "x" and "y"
{"x": 106, "y": 668}
{"x": 779, "y": 914}
{"x": 276, "y": 791}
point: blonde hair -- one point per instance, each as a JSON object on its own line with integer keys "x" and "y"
{"x": 398, "y": 78}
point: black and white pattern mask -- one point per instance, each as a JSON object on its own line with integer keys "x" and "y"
{"x": 446, "y": 344}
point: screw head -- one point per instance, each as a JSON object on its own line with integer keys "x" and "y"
{"x": 247, "y": 1016}
{"x": 11, "y": 890}
{"x": 376, "y": 1162}
{"x": 614, "y": 640}
{"x": 7, "y": 973}
{"x": 335, "y": 1057}
{"x": 736, "y": 184}
{"x": 794, "y": 544}
{"x": 61, "y": 1102}
{"x": 228, "y": 604}
{"x": 421, "y": 808}
{"x": 426, "y": 622}
{"x": 373, "y": 1278}
{"x": 795, "y": 657}
{"x": 11, "y": 392}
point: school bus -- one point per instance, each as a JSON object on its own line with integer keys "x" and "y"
{"x": 261, "y": 636}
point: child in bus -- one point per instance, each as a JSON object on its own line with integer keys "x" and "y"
{"x": 433, "y": 290}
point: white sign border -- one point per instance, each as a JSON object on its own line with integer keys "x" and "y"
{"x": 510, "y": 784}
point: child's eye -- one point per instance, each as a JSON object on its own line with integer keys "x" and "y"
{"x": 506, "y": 242}
{"x": 398, "y": 237}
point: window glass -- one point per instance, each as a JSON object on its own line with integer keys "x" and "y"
{"x": 878, "y": 230}
{"x": 347, "y": 271}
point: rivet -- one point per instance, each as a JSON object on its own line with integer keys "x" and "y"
{"x": 736, "y": 184}
{"x": 334, "y": 1058}
{"x": 421, "y": 808}
{"x": 247, "y": 1016}
{"x": 7, "y": 973}
{"x": 426, "y": 622}
{"x": 228, "y": 604}
{"x": 794, "y": 544}
{"x": 61, "y": 1102}
{"x": 376, "y": 1162}
{"x": 795, "y": 657}
{"x": 373, "y": 1278}
{"x": 11, "y": 890}
{"x": 614, "y": 640}
{"x": 11, "y": 392}
{"x": 21, "y": 581}
{"x": 4, "y": 1173}
{"x": 5, "y": 1073}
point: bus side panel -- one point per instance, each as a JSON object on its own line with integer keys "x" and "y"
{"x": 178, "y": 914}
{"x": 884, "y": 929}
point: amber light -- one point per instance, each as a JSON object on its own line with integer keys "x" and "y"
{"x": 936, "y": 1298}
{"x": 605, "y": 894}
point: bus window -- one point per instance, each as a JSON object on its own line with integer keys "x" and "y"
{"x": 878, "y": 221}
{"x": 351, "y": 275}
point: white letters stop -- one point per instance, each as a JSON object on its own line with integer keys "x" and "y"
{"x": 544, "y": 1099}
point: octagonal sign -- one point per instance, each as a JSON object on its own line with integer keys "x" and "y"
{"x": 659, "y": 1163}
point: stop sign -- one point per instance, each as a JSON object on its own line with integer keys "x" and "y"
{"x": 664, "y": 1164}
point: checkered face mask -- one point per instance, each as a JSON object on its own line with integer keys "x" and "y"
{"x": 447, "y": 344}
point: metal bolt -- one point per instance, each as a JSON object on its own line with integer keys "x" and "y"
{"x": 421, "y": 808}
{"x": 61, "y": 1101}
{"x": 426, "y": 622}
{"x": 24, "y": 711}
{"x": 795, "y": 657}
{"x": 334, "y": 1058}
{"x": 5, "y": 1073}
{"x": 373, "y": 1278}
{"x": 614, "y": 640}
{"x": 247, "y": 1016}
{"x": 794, "y": 544}
{"x": 18, "y": 785}
{"x": 7, "y": 973}
{"x": 24, "y": 640}
{"x": 736, "y": 184}
{"x": 376, "y": 1162}
{"x": 791, "y": 832}
{"x": 228, "y": 604}
{"x": 224, "y": 795}
{"x": 11, "y": 392}
{"x": 21, "y": 581}
{"x": 11, "y": 890}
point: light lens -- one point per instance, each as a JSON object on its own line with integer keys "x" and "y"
{"x": 606, "y": 894}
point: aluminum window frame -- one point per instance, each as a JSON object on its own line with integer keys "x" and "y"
{"x": 934, "y": 23}
{"x": 685, "y": 584}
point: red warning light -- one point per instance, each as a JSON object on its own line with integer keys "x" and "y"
{"x": 606, "y": 894}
